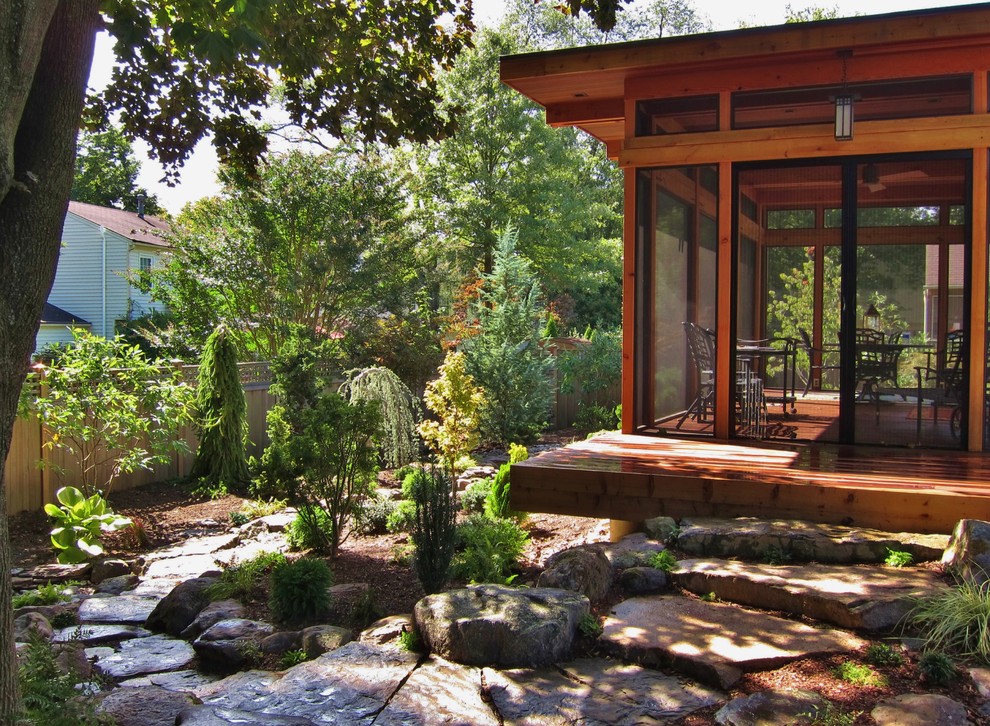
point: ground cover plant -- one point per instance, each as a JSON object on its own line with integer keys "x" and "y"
{"x": 955, "y": 620}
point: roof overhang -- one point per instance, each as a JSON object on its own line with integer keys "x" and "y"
{"x": 587, "y": 87}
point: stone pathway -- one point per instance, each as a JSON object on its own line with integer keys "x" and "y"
{"x": 370, "y": 680}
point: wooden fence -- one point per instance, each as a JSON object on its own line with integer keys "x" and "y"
{"x": 30, "y": 485}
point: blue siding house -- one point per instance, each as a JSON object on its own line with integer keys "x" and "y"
{"x": 102, "y": 248}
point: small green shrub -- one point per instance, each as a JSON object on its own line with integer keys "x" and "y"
{"x": 409, "y": 640}
{"x": 937, "y": 668}
{"x": 465, "y": 462}
{"x": 402, "y": 472}
{"x": 776, "y": 555}
{"x": 299, "y": 590}
{"x": 589, "y": 626}
{"x": 239, "y": 518}
{"x": 49, "y": 696}
{"x": 859, "y": 674}
{"x": 473, "y": 498}
{"x": 881, "y": 654}
{"x": 48, "y": 594}
{"x": 664, "y": 560}
{"x": 488, "y": 549}
{"x": 371, "y": 517}
{"x": 292, "y": 658}
{"x": 64, "y": 619}
{"x": 434, "y": 530}
{"x": 955, "y": 620}
{"x": 245, "y": 580}
{"x": 594, "y": 418}
{"x": 898, "y": 558}
{"x": 402, "y": 518}
{"x": 402, "y": 555}
{"x": 308, "y": 531}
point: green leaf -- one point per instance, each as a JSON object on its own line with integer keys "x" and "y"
{"x": 69, "y": 496}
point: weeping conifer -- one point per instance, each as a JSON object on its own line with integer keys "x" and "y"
{"x": 221, "y": 421}
{"x": 399, "y": 409}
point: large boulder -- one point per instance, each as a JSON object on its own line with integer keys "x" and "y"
{"x": 584, "y": 569}
{"x": 320, "y": 639}
{"x": 968, "y": 551}
{"x": 179, "y": 608}
{"x": 29, "y": 623}
{"x": 499, "y": 626}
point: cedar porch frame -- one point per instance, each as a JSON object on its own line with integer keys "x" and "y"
{"x": 596, "y": 90}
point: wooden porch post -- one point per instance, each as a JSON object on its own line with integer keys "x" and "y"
{"x": 629, "y": 322}
{"x": 724, "y": 405}
{"x": 978, "y": 274}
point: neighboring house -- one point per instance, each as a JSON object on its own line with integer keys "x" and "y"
{"x": 102, "y": 248}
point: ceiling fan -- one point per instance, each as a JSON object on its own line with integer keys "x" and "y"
{"x": 876, "y": 182}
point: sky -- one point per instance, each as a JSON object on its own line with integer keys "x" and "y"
{"x": 198, "y": 177}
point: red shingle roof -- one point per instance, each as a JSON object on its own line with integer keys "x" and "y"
{"x": 127, "y": 224}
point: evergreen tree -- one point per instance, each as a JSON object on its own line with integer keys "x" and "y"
{"x": 398, "y": 442}
{"x": 505, "y": 356}
{"x": 221, "y": 422}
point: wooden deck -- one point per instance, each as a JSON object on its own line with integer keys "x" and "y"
{"x": 626, "y": 477}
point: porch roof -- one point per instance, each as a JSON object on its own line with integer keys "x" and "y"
{"x": 587, "y": 87}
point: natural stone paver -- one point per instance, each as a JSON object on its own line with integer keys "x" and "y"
{"x": 920, "y": 709}
{"x": 99, "y": 634}
{"x": 188, "y": 680}
{"x": 181, "y": 567}
{"x": 439, "y": 692}
{"x": 772, "y": 708}
{"x": 119, "y": 584}
{"x": 214, "y": 716}
{"x": 346, "y": 686}
{"x": 155, "y": 654}
{"x": 867, "y": 597}
{"x": 198, "y": 546}
{"x": 25, "y": 579}
{"x": 501, "y": 626}
{"x": 231, "y": 642}
{"x": 752, "y": 539}
{"x": 130, "y": 609}
{"x": 144, "y": 706}
{"x": 213, "y": 614}
{"x": 712, "y": 642}
{"x": 592, "y": 692}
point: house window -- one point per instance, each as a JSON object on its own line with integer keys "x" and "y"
{"x": 145, "y": 263}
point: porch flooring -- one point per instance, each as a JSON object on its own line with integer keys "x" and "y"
{"x": 633, "y": 477}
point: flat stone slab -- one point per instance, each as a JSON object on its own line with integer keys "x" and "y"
{"x": 215, "y": 716}
{"x": 187, "y": 681}
{"x": 121, "y": 609}
{"x": 772, "y": 708}
{"x": 920, "y": 709}
{"x": 349, "y": 685}
{"x": 713, "y": 642}
{"x": 867, "y": 597}
{"x": 156, "y": 654}
{"x": 593, "y": 692}
{"x": 198, "y": 546}
{"x": 99, "y": 634}
{"x": 439, "y": 692}
{"x": 749, "y": 538}
{"x": 144, "y": 706}
{"x": 180, "y": 568}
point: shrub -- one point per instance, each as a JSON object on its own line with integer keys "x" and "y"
{"x": 664, "y": 560}
{"x": 881, "y": 654}
{"x": 257, "y": 508}
{"x": 402, "y": 518}
{"x": 292, "y": 658}
{"x": 898, "y": 558}
{"x": 937, "y": 668}
{"x": 505, "y": 356}
{"x": 955, "y": 620}
{"x": 245, "y": 581}
{"x": 48, "y": 695}
{"x": 589, "y": 626}
{"x": 308, "y": 530}
{"x": 81, "y": 523}
{"x": 398, "y": 443}
{"x": 859, "y": 675}
{"x": 454, "y": 399}
{"x": 488, "y": 549}
{"x": 593, "y": 418}
{"x": 48, "y": 594}
{"x": 435, "y": 527}
{"x": 497, "y": 502}
{"x": 64, "y": 619}
{"x": 372, "y": 516}
{"x": 221, "y": 419}
{"x": 299, "y": 590}
{"x": 473, "y": 498}
{"x": 409, "y": 640}
{"x": 239, "y": 518}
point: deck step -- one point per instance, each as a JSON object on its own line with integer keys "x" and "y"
{"x": 779, "y": 541}
{"x": 862, "y": 597}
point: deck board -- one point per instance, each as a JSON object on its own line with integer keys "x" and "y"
{"x": 636, "y": 477}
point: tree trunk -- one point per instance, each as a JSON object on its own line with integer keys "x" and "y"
{"x": 32, "y": 210}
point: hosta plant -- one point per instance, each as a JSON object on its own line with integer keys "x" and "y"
{"x": 81, "y": 523}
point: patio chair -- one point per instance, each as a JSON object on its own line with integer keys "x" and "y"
{"x": 812, "y": 352}
{"x": 701, "y": 344}
{"x": 943, "y": 382}
{"x": 876, "y": 361}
